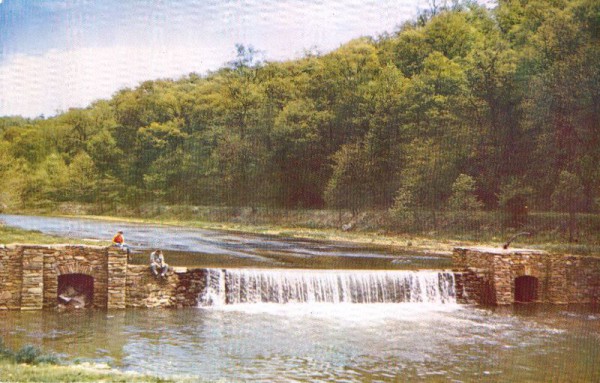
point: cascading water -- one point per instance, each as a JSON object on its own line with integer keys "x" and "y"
{"x": 215, "y": 286}
{"x": 236, "y": 286}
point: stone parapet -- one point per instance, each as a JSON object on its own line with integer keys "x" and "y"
{"x": 32, "y": 286}
{"x": 489, "y": 276}
{"x": 146, "y": 290}
{"x": 30, "y": 274}
{"x": 191, "y": 284}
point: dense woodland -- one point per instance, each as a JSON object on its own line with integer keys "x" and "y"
{"x": 463, "y": 108}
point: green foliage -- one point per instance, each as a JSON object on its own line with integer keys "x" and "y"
{"x": 568, "y": 195}
{"x": 28, "y": 354}
{"x": 513, "y": 200}
{"x": 510, "y": 93}
{"x": 5, "y": 352}
{"x": 349, "y": 186}
{"x": 463, "y": 195}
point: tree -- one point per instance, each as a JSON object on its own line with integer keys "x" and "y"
{"x": 463, "y": 196}
{"x": 568, "y": 197}
{"x": 513, "y": 201}
{"x": 301, "y": 161}
{"x": 425, "y": 183}
{"x": 348, "y": 187}
{"x": 384, "y": 142}
{"x": 82, "y": 178}
{"x": 48, "y": 183}
{"x": 11, "y": 173}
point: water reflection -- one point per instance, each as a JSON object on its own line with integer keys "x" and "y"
{"x": 268, "y": 342}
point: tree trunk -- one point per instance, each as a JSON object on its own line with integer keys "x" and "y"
{"x": 572, "y": 226}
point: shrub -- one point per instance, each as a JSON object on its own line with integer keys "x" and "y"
{"x": 27, "y": 354}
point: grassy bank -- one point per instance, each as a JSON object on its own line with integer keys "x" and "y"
{"x": 30, "y": 364}
{"x": 15, "y": 235}
{"x": 13, "y": 372}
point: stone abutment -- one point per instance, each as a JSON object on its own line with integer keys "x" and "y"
{"x": 494, "y": 276}
{"x": 30, "y": 276}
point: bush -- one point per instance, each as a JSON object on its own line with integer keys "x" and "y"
{"x": 27, "y": 354}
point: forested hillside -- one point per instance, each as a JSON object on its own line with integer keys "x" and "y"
{"x": 462, "y": 108}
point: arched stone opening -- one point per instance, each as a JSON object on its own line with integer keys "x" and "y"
{"x": 75, "y": 290}
{"x": 526, "y": 289}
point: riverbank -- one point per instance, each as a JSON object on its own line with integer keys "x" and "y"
{"x": 13, "y": 372}
{"x": 432, "y": 242}
{"x": 31, "y": 364}
{"x": 368, "y": 228}
{"x": 15, "y": 235}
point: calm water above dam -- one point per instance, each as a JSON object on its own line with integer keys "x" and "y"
{"x": 195, "y": 247}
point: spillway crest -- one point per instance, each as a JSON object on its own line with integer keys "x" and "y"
{"x": 243, "y": 286}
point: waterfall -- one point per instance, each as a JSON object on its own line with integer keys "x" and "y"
{"x": 236, "y": 286}
{"x": 215, "y": 287}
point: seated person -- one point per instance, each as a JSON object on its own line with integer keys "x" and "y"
{"x": 119, "y": 241}
{"x": 157, "y": 264}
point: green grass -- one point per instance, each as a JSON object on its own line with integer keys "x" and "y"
{"x": 31, "y": 364}
{"x": 10, "y": 235}
{"x": 13, "y": 372}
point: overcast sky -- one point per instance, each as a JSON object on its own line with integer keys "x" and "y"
{"x": 57, "y": 54}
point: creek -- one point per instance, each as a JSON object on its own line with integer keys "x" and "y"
{"x": 306, "y": 311}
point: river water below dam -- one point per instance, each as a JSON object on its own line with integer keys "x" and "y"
{"x": 278, "y": 310}
{"x": 412, "y": 342}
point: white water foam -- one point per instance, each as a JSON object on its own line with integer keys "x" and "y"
{"x": 280, "y": 286}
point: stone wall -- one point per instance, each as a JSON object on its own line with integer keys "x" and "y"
{"x": 29, "y": 273}
{"x": 61, "y": 260}
{"x": 191, "y": 284}
{"x": 29, "y": 278}
{"x": 582, "y": 279}
{"x": 11, "y": 277}
{"x": 116, "y": 268}
{"x": 146, "y": 290}
{"x": 487, "y": 275}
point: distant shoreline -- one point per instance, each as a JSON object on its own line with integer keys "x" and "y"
{"x": 324, "y": 225}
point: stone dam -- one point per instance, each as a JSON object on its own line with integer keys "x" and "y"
{"x": 34, "y": 277}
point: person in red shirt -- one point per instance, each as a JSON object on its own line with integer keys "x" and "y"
{"x": 119, "y": 241}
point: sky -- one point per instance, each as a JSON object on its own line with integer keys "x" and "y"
{"x": 59, "y": 54}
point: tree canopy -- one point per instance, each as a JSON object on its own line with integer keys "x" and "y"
{"x": 450, "y": 111}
